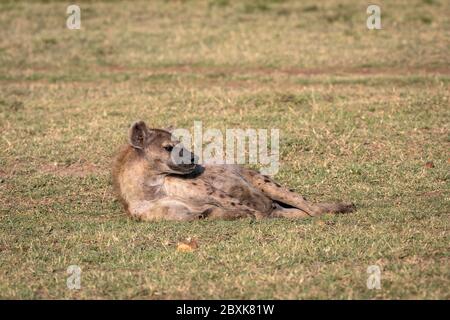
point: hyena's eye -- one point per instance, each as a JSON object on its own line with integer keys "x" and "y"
{"x": 168, "y": 148}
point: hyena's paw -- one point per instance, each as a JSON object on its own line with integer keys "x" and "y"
{"x": 347, "y": 207}
{"x": 338, "y": 207}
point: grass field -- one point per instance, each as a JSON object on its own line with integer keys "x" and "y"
{"x": 363, "y": 116}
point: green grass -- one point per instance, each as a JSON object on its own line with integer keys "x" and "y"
{"x": 360, "y": 113}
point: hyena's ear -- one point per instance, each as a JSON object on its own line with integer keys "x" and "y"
{"x": 139, "y": 134}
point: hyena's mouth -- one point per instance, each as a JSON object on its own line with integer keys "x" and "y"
{"x": 183, "y": 165}
{"x": 183, "y": 168}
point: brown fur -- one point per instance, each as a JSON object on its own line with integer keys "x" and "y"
{"x": 152, "y": 186}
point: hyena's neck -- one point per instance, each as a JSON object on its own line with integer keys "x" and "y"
{"x": 153, "y": 187}
{"x": 154, "y": 180}
{"x": 141, "y": 183}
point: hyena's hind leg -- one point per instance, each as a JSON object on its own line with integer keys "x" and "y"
{"x": 280, "y": 212}
{"x": 285, "y": 196}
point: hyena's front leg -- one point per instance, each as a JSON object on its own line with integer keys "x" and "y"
{"x": 163, "y": 209}
{"x": 283, "y": 195}
{"x": 227, "y": 209}
{"x": 216, "y": 212}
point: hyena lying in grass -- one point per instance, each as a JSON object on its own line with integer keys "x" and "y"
{"x": 152, "y": 186}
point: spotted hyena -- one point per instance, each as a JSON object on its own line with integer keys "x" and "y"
{"x": 152, "y": 186}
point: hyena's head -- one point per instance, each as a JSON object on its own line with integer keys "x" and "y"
{"x": 163, "y": 152}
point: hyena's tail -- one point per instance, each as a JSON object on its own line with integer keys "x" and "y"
{"x": 285, "y": 196}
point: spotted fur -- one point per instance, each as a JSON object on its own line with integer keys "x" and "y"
{"x": 152, "y": 187}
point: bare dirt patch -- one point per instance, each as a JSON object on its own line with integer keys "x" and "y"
{"x": 235, "y": 70}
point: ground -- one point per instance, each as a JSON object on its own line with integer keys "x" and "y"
{"x": 363, "y": 117}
